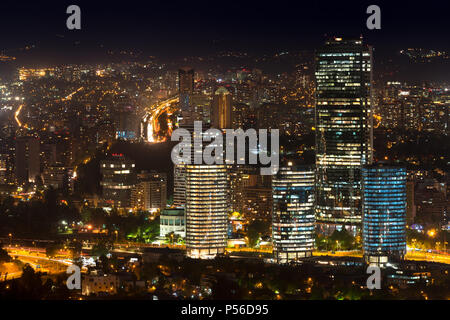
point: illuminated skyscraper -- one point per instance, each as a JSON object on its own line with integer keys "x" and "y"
{"x": 293, "y": 213}
{"x": 384, "y": 213}
{"x": 206, "y": 203}
{"x": 206, "y": 210}
{"x": 343, "y": 131}
{"x": 221, "y": 109}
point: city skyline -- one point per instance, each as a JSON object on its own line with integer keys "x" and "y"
{"x": 247, "y": 152}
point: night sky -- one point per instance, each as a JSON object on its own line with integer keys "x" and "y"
{"x": 174, "y": 28}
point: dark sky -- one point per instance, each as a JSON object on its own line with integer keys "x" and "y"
{"x": 196, "y": 27}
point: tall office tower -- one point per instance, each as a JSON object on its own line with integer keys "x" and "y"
{"x": 27, "y": 163}
{"x": 293, "y": 219}
{"x": 221, "y": 109}
{"x": 206, "y": 210}
{"x": 343, "y": 131}
{"x": 185, "y": 87}
{"x": 384, "y": 213}
{"x": 118, "y": 180}
{"x": 179, "y": 185}
{"x": 411, "y": 207}
{"x": 179, "y": 171}
{"x": 150, "y": 191}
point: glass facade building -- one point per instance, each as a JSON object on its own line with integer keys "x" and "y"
{"x": 384, "y": 213}
{"x": 343, "y": 131}
{"x": 293, "y": 221}
{"x": 206, "y": 210}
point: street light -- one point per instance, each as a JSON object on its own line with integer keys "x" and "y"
{"x": 10, "y": 239}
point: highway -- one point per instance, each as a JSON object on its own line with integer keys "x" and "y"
{"x": 153, "y": 114}
{"x": 36, "y": 259}
{"x": 35, "y": 256}
{"x": 17, "y": 114}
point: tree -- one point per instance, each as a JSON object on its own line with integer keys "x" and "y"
{"x": 342, "y": 240}
{"x": 76, "y": 248}
{"x": 31, "y": 283}
{"x": 101, "y": 249}
{"x": 173, "y": 237}
{"x": 52, "y": 250}
{"x": 4, "y": 256}
{"x": 255, "y": 230}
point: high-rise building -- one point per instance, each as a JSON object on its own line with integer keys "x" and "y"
{"x": 206, "y": 210}
{"x": 27, "y": 164}
{"x": 221, "y": 109}
{"x": 410, "y": 203}
{"x": 150, "y": 191}
{"x": 343, "y": 131}
{"x": 206, "y": 202}
{"x": 7, "y": 159}
{"x": 179, "y": 185}
{"x": 58, "y": 176}
{"x": 185, "y": 87}
{"x": 4, "y": 168}
{"x": 240, "y": 178}
{"x": 186, "y": 80}
{"x": 257, "y": 203}
{"x": 118, "y": 180}
{"x": 293, "y": 220}
{"x": 384, "y": 213}
{"x": 179, "y": 170}
{"x": 201, "y": 107}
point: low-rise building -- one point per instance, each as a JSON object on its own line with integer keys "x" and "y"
{"x": 172, "y": 220}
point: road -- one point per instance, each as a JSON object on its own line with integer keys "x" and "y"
{"x": 38, "y": 254}
{"x": 17, "y": 114}
{"x": 36, "y": 259}
{"x": 428, "y": 256}
{"x": 152, "y": 116}
{"x": 19, "y": 109}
